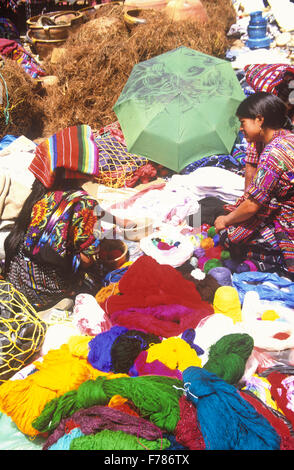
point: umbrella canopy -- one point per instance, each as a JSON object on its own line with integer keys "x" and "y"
{"x": 179, "y": 107}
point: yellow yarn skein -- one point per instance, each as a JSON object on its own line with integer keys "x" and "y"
{"x": 207, "y": 243}
{"x": 270, "y": 315}
{"x": 107, "y": 291}
{"x": 58, "y": 373}
{"x": 226, "y": 301}
{"x": 174, "y": 353}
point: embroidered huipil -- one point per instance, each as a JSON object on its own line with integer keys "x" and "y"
{"x": 273, "y": 188}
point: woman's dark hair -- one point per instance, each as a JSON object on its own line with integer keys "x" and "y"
{"x": 267, "y": 105}
{"x": 23, "y": 219}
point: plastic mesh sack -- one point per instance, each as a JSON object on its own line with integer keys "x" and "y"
{"x": 22, "y": 332}
{"x": 117, "y": 166}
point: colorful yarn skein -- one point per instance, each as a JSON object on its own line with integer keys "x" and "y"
{"x": 227, "y": 421}
{"x": 154, "y": 396}
{"x": 142, "y": 367}
{"x": 126, "y": 348}
{"x": 100, "y": 348}
{"x": 227, "y": 302}
{"x": 60, "y": 371}
{"x": 116, "y": 440}
{"x": 175, "y": 353}
{"x": 97, "y": 418}
{"x": 227, "y": 358}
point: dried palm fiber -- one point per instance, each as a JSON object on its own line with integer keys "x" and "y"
{"x": 60, "y": 371}
{"x": 95, "y": 66}
{"x": 228, "y": 356}
{"x": 22, "y": 332}
{"x": 22, "y": 105}
{"x": 97, "y": 418}
{"x": 126, "y": 348}
{"x": 227, "y": 421}
{"x": 175, "y": 353}
{"x": 116, "y": 440}
{"x": 154, "y": 396}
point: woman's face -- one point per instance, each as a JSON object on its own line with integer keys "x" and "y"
{"x": 251, "y": 128}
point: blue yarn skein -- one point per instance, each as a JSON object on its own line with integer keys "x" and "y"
{"x": 222, "y": 275}
{"x": 99, "y": 355}
{"x": 189, "y": 337}
{"x": 226, "y": 420}
{"x": 64, "y": 442}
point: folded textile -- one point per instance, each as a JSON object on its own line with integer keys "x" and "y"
{"x": 13, "y": 50}
{"x": 209, "y": 181}
{"x": 73, "y": 149}
{"x": 267, "y": 77}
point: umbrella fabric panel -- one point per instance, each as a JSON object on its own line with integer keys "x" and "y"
{"x": 179, "y": 107}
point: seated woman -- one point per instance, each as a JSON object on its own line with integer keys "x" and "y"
{"x": 55, "y": 238}
{"x": 260, "y": 226}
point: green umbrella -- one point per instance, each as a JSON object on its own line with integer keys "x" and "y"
{"x": 179, "y": 107}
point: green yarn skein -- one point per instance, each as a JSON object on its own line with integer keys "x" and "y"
{"x": 228, "y": 357}
{"x": 155, "y": 396}
{"x": 212, "y": 263}
{"x": 116, "y": 440}
{"x": 211, "y": 232}
{"x": 225, "y": 254}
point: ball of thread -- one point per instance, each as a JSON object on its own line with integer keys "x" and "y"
{"x": 126, "y": 348}
{"x": 212, "y": 263}
{"x": 227, "y": 302}
{"x": 214, "y": 252}
{"x": 199, "y": 252}
{"x": 216, "y": 239}
{"x": 231, "y": 264}
{"x": 242, "y": 268}
{"x": 207, "y": 243}
{"x": 211, "y": 232}
{"x": 225, "y": 254}
{"x": 116, "y": 440}
{"x": 228, "y": 356}
{"x": 222, "y": 275}
{"x": 204, "y": 228}
{"x": 226, "y": 420}
{"x": 202, "y": 261}
{"x": 251, "y": 265}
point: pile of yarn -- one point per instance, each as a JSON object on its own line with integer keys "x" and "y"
{"x": 208, "y": 251}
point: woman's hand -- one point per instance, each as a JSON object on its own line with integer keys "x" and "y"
{"x": 220, "y": 223}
